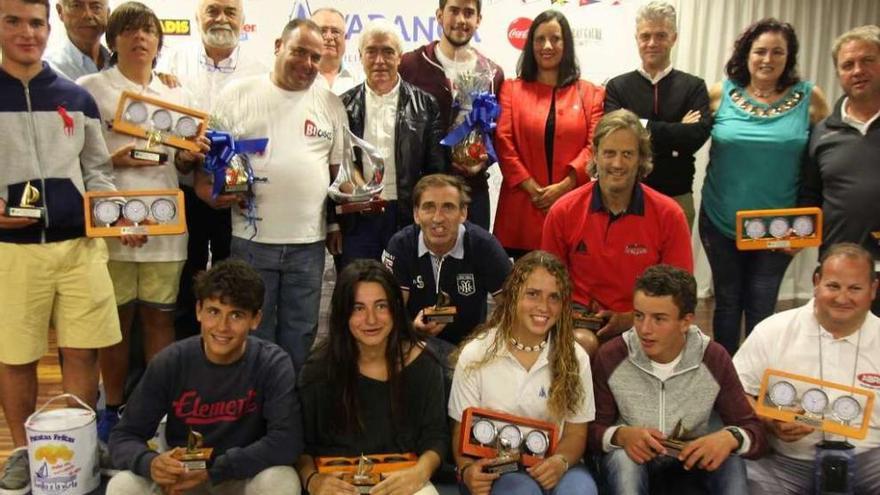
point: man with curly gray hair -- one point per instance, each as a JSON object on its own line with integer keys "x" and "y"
{"x": 609, "y": 230}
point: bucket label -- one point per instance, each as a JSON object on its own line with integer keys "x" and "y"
{"x": 57, "y": 472}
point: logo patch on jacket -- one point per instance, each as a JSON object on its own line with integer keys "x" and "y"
{"x": 635, "y": 249}
{"x": 312, "y": 130}
{"x": 388, "y": 260}
{"x": 465, "y": 283}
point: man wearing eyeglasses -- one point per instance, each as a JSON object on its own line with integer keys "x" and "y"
{"x": 333, "y": 74}
{"x": 204, "y": 69}
{"x": 80, "y": 53}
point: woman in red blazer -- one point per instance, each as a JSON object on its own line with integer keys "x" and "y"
{"x": 544, "y": 132}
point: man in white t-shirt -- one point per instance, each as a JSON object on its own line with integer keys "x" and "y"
{"x": 283, "y": 237}
{"x": 204, "y": 67}
{"x": 333, "y": 74}
{"x": 834, "y": 337}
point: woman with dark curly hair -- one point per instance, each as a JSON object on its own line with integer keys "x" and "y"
{"x": 546, "y": 125}
{"x": 524, "y": 361}
{"x": 372, "y": 387}
{"x": 763, "y": 115}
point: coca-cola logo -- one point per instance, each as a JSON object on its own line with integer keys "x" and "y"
{"x": 518, "y": 31}
{"x": 871, "y": 380}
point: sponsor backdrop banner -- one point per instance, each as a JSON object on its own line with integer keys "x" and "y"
{"x": 603, "y": 29}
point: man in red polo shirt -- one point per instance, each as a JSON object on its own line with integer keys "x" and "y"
{"x": 609, "y": 230}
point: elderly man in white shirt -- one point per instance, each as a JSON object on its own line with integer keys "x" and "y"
{"x": 204, "y": 69}
{"x": 333, "y": 74}
{"x": 80, "y": 52}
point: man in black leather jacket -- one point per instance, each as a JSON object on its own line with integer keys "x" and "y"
{"x": 403, "y": 123}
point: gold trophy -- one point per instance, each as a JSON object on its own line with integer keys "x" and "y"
{"x": 442, "y": 311}
{"x": 363, "y": 478}
{"x": 149, "y": 154}
{"x": 676, "y": 442}
{"x": 195, "y": 457}
{"x": 27, "y": 206}
{"x": 509, "y": 440}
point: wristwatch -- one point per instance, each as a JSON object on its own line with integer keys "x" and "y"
{"x": 736, "y": 435}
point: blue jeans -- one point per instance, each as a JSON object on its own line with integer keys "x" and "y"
{"x": 625, "y": 477}
{"x": 292, "y": 274}
{"x": 575, "y": 481}
{"x": 366, "y": 236}
{"x": 744, "y": 281}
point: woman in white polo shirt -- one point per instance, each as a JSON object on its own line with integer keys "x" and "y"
{"x": 525, "y": 362}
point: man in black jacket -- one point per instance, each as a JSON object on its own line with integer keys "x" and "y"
{"x": 673, "y": 105}
{"x": 403, "y": 123}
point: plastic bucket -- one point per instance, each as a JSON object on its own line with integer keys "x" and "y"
{"x": 63, "y": 449}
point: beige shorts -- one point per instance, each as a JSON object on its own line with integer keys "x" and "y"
{"x": 65, "y": 285}
{"x": 154, "y": 283}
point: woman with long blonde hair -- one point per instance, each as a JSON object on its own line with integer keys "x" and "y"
{"x": 525, "y": 362}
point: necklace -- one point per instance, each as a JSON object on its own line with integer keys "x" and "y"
{"x": 528, "y": 348}
{"x": 762, "y": 94}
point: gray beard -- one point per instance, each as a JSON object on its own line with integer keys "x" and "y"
{"x": 220, "y": 38}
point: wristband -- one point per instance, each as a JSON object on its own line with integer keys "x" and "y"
{"x": 459, "y": 471}
{"x": 309, "y": 480}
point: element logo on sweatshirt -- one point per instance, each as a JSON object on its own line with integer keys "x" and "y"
{"x": 192, "y": 410}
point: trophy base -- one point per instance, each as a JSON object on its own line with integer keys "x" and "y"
{"x": 25, "y": 212}
{"x": 372, "y": 206}
{"x": 673, "y": 447}
{"x": 156, "y": 157}
{"x": 236, "y": 188}
{"x": 194, "y": 461}
{"x": 587, "y": 321}
{"x": 362, "y": 482}
{"x": 443, "y": 314}
{"x": 502, "y": 466}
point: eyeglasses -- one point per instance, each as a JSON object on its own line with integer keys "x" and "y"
{"x": 331, "y": 32}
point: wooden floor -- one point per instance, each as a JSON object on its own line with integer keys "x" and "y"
{"x": 49, "y": 376}
{"x": 49, "y": 371}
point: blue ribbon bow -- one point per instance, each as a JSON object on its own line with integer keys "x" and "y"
{"x": 482, "y": 117}
{"x": 223, "y": 148}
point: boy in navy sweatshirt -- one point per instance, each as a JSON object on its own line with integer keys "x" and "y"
{"x": 235, "y": 390}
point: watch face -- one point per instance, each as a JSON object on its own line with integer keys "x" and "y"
{"x": 783, "y": 394}
{"x": 846, "y": 408}
{"x": 814, "y": 401}
{"x": 537, "y": 442}
{"x": 135, "y": 211}
{"x": 510, "y": 437}
{"x": 162, "y": 119}
{"x": 163, "y": 210}
{"x": 803, "y": 226}
{"x": 779, "y": 227}
{"x": 136, "y": 112}
{"x": 484, "y": 431}
{"x": 755, "y": 228}
{"x": 106, "y": 211}
{"x": 186, "y": 127}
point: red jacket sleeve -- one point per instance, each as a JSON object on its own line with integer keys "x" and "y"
{"x": 593, "y": 101}
{"x": 731, "y": 403}
{"x": 513, "y": 169}
{"x": 613, "y": 353}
